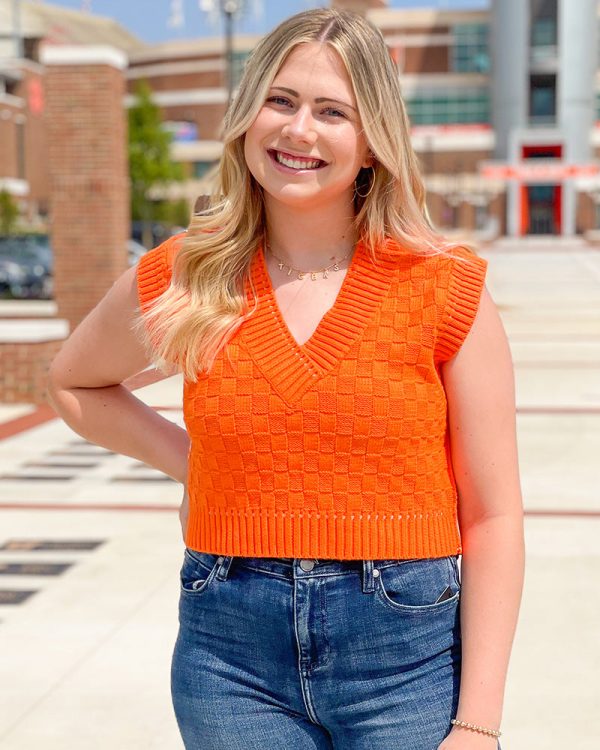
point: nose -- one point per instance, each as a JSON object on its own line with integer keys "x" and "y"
{"x": 300, "y": 127}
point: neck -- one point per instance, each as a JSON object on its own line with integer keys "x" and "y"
{"x": 311, "y": 237}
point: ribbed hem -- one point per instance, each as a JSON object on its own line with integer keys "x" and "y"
{"x": 465, "y": 287}
{"x": 338, "y": 536}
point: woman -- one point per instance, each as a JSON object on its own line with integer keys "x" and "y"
{"x": 348, "y": 397}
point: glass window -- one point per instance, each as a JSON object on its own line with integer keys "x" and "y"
{"x": 544, "y": 15}
{"x": 542, "y": 98}
{"x": 470, "y": 53}
{"x": 447, "y": 108}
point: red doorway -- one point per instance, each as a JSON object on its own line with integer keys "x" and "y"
{"x": 541, "y": 205}
{"x": 541, "y": 209}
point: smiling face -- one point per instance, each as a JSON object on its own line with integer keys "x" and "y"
{"x": 306, "y": 145}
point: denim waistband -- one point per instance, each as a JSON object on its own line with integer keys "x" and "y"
{"x": 294, "y": 568}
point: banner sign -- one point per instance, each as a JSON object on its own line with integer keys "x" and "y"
{"x": 549, "y": 171}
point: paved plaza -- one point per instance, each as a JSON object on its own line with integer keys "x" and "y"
{"x": 90, "y": 544}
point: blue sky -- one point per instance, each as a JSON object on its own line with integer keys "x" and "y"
{"x": 259, "y": 17}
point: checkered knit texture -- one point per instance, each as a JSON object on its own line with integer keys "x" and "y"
{"x": 337, "y": 448}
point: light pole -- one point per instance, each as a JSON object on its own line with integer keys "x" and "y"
{"x": 229, "y": 9}
{"x": 18, "y": 38}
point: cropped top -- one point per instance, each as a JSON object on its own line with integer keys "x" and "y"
{"x": 337, "y": 448}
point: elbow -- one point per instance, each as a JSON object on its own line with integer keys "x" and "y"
{"x": 54, "y": 384}
{"x": 50, "y": 389}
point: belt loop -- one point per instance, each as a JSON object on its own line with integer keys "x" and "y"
{"x": 224, "y": 564}
{"x": 368, "y": 584}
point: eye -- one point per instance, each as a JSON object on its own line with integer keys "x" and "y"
{"x": 278, "y": 100}
{"x": 335, "y": 112}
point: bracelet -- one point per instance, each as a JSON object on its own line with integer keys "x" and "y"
{"x": 476, "y": 728}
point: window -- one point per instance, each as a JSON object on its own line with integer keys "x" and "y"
{"x": 542, "y": 99}
{"x": 470, "y": 53}
{"x": 445, "y": 108}
{"x": 544, "y": 17}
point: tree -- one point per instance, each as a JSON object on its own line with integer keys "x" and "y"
{"x": 150, "y": 162}
{"x": 9, "y": 212}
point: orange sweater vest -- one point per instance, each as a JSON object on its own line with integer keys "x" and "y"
{"x": 337, "y": 448}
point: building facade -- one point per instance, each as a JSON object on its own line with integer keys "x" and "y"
{"x": 25, "y": 29}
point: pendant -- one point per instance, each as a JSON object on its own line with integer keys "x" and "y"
{"x": 289, "y": 273}
{"x": 301, "y": 275}
{"x": 336, "y": 267}
{"x": 313, "y": 276}
{"x": 281, "y": 265}
{"x": 325, "y": 274}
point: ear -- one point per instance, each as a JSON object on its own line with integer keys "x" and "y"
{"x": 368, "y": 161}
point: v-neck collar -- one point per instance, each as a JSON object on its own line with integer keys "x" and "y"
{"x": 270, "y": 291}
{"x": 291, "y": 367}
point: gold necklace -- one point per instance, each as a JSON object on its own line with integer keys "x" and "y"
{"x": 335, "y": 266}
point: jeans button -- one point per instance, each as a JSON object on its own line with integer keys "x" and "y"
{"x": 307, "y": 564}
{"x": 220, "y": 560}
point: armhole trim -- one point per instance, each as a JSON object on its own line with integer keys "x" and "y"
{"x": 466, "y": 283}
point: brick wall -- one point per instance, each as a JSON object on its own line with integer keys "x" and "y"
{"x": 9, "y": 110}
{"x": 586, "y": 213}
{"x": 23, "y": 369}
{"x": 182, "y": 81}
{"x": 88, "y": 174}
{"x": 358, "y": 6}
{"x": 31, "y": 89}
{"x": 430, "y": 59}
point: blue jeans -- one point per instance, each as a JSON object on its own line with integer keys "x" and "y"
{"x": 306, "y": 654}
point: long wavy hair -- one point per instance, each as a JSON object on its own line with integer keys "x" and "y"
{"x": 207, "y": 300}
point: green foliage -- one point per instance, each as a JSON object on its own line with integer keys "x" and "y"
{"x": 180, "y": 213}
{"x": 171, "y": 213}
{"x": 150, "y": 163}
{"x": 9, "y": 212}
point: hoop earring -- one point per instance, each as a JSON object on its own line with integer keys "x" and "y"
{"x": 364, "y": 195}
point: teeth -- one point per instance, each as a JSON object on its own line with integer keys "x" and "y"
{"x": 296, "y": 163}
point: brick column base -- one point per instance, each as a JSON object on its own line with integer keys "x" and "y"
{"x": 27, "y": 348}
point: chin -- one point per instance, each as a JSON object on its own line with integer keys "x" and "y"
{"x": 314, "y": 199}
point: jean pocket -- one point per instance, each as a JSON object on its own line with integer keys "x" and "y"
{"x": 419, "y": 586}
{"x": 197, "y": 571}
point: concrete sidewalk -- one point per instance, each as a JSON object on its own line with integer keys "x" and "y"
{"x": 90, "y": 546}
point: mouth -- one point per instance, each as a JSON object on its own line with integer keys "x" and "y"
{"x": 295, "y": 163}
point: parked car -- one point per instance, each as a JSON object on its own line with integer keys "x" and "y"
{"x": 158, "y": 232}
{"x": 11, "y": 274}
{"x": 134, "y": 251}
{"x": 27, "y": 266}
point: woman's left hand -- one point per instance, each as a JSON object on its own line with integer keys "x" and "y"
{"x": 465, "y": 739}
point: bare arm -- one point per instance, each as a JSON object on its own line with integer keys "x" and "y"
{"x": 85, "y": 386}
{"x": 479, "y": 383}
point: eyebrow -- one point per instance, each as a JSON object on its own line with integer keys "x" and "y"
{"x": 319, "y": 100}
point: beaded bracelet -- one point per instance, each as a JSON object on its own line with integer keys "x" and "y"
{"x": 476, "y": 728}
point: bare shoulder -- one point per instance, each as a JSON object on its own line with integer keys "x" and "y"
{"x": 103, "y": 349}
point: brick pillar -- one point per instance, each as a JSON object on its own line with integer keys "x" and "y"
{"x": 87, "y": 156}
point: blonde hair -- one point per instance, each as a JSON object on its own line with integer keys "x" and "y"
{"x": 207, "y": 299}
